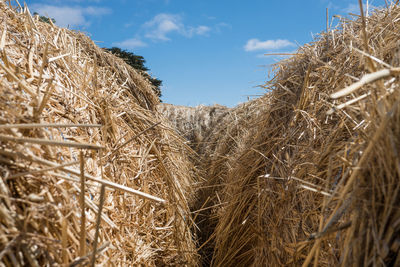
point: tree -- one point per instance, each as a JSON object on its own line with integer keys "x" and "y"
{"x": 44, "y": 19}
{"x": 137, "y": 62}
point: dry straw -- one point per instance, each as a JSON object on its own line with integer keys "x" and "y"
{"x": 65, "y": 103}
{"x": 309, "y": 174}
{"x": 194, "y": 123}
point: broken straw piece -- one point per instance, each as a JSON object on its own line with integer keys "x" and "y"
{"x": 368, "y": 78}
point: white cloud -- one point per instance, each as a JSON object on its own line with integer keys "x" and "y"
{"x": 96, "y": 11}
{"x": 352, "y": 8}
{"x": 165, "y": 24}
{"x": 132, "y": 43}
{"x": 255, "y": 44}
{"x": 278, "y": 56}
{"x": 222, "y": 25}
{"x": 355, "y": 8}
{"x": 331, "y": 6}
{"x": 162, "y": 26}
{"x": 70, "y": 15}
{"x": 200, "y": 30}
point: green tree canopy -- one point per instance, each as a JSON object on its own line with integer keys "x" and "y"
{"x": 137, "y": 62}
{"x": 44, "y": 19}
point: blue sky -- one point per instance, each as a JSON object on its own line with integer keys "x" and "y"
{"x": 205, "y": 51}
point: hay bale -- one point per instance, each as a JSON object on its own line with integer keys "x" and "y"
{"x": 308, "y": 179}
{"x": 86, "y": 163}
{"x": 194, "y": 123}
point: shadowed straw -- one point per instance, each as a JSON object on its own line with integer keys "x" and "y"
{"x": 82, "y": 240}
{"x": 96, "y": 235}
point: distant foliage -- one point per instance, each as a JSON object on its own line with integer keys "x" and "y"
{"x": 44, "y": 19}
{"x": 137, "y": 62}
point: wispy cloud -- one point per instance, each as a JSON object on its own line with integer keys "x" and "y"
{"x": 278, "y": 55}
{"x": 199, "y": 30}
{"x": 132, "y": 43}
{"x": 256, "y": 44}
{"x": 70, "y": 15}
{"x": 162, "y": 25}
{"x": 219, "y": 27}
{"x": 355, "y": 8}
{"x": 331, "y": 6}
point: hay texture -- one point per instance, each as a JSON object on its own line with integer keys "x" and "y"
{"x": 309, "y": 174}
{"x": 194, "y": 123}
{"x": 86, "y": 163}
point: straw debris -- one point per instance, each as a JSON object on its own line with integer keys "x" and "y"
{"x": 194, "y": 123}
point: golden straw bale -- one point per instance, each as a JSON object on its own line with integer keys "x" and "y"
{"x": 194, "y": 123}
{"x": 74, "y": 118}
{"x": 303, "y": 176}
